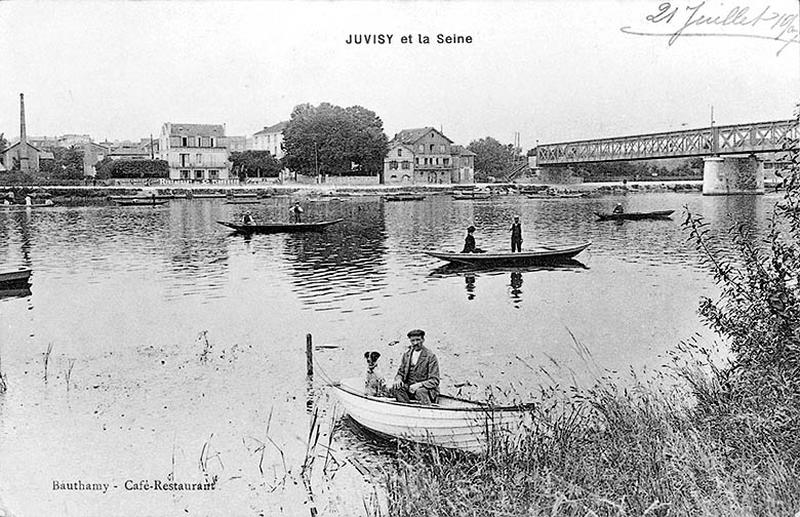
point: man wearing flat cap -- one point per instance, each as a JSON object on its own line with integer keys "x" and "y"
{"x": 417, "y": 379}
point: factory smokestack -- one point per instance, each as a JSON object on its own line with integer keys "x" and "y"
{"x": 24, "y": 158}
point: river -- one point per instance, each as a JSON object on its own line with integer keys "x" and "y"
{"x": 178, "y": 349}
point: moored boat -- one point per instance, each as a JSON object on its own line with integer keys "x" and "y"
{"x": 634, "y": 216}
{"x": 472, "y": 195}
{"x": 139, "y": 202}
{"x": 15, "y": 206}
{"x": 540, "y": 255}
{"x": 243, "y": 201}
{"x": 10, "y": 278}
{"x": 277, "y": 227}
{"x": 453, "y": 423}
{"x": 403, "y": 197}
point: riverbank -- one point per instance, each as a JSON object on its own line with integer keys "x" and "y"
{"x": 76, "y": 195}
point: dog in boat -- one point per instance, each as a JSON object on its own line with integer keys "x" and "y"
{"x": 374, "y": 383}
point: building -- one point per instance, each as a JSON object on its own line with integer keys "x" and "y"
{"x": 239, "y": 144}
{"x": 14, "y": 158}
{"x": 271, "y": 139}
{"x": 76, "y": 140}
{"x": 426, "y": 156}
{"x": 194, "y": 151}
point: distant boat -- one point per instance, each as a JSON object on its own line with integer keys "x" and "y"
{"x": 452, "y": 422}
{"x": 244, "y": 201}
{"x": 404, "y": 197}
{"x": 540, "y": 255}
{"x": 21, "y": 206}
{"x": 472, "y": 195}
{"x": 276, "y": 227}
{"x": 139, "y": 202}
{"x": 14, "y": 278}
{"x": 634, "y": 216}
{"x": 206, "y": 196}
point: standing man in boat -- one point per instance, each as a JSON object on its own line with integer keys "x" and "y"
{"x": 417, "y": 379}
{"x": 296, "y": 211}
{"x": 516, "y": 235}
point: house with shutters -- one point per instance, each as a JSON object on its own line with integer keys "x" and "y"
{"x": 426, "y": 156}
{"x": 196, "y": 152}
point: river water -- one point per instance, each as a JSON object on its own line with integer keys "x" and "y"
{"x": 178, "y": 349}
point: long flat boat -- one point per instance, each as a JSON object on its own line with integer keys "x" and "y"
{"x": 471, "y": 195}
{"x": 138, "y": 202}
{"x": 15, "y": 206}
{"x": 275, "y": 227}
{"x": 452, "y": 423}
{"x": 404, "y": 197}
{"x": 206, "y": 196}
{"x": 243, "y": 201}
{"x": 540, "y": 255}
{"x": 14, "y": 277}
{"x": 635, "y": 216}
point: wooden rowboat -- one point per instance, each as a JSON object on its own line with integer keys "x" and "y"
{"x": 471, "y": 195}
{"x": 275, "y": 227}
{"x": 243, "y": 201}
{"x": 404, "y": 197}
{"x": 540, "y": 255}
{"x": 635, "y": 216}
{"x": 15, "y": 278}
{"x": 452, "y": 423}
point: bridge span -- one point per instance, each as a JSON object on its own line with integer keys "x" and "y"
{"x": 723, "y": 173}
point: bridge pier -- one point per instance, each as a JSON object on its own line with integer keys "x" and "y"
{"x": 729, "y": 175}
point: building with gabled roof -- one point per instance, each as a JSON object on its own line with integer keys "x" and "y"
{"x": 195, "y": 152}
{"x": 426, "y": 156}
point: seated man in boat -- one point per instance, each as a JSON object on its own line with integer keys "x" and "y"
{"x": 618, "y": 209}
{"x": 469, "y": 242}
{"x": 247, "y": 218}
{"x": 417, "y": 379}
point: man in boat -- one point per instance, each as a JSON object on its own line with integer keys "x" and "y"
{"x": 247, "y": 218}
{"x": 417, "y": 379}
{"x": 516, "y": 236}
{"x": 469, "y": 242}
{"x": 618, "y": 209}
{"x": 296, "y": 211}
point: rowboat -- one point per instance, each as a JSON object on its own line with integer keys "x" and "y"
{"x": 275, "y": 227}
{"x": 635, "y": 216}
{"x": 452, "y": 423}
{"x": 19, "y": 292}
{"x": 14, "y": 277}
{"x": 205, "y": 196}
{"x": 138, "y": 202}
{"x": 404, "y": 197}
{"x": 472, "y": 195}
{"x": 540, "y": 255}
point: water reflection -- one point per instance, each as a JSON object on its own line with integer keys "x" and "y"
{"x": 469, "y": 279}
{"x": 516, "y": 288}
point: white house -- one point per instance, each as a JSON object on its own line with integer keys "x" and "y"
{"x": 194, "y": 151}
{"x": 270, "y": 139}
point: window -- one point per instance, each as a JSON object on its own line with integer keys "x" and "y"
{"x": 198, "y": 174}
{"x": 184, "y": 141}
{"x": 416, "y": 161}
{"x": 184, "y": 160}
{"x": 212, "y": 142}
{"x": 431, "y": 134}
{"x": 199, "y": 158}
{"x": 405, "y": 165}
{"x": 431, "y": 148}
{"x": 446, "y": 161}
{"x": 441, "y": 148}
{"x": 421, "y": 147}
{"x": 399, "y": 152}
{"x": 212, "y": 174}
{"x": 185, "y": 175}
{"x": 392, "y": 165}
{"x": 393, "y": 177}
{"x": 437, "y": 161}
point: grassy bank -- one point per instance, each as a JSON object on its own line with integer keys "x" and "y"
{"x": 607, "y": 452}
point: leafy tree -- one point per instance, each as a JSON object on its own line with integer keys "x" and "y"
{"x": 491, "y": 157}
{"x": 255, "y": 164}
{"x": 333, "y": 140}
{"x": 103, "y": 168}
{"x": 68, "y": 163}
{"x": 3, "y": 142}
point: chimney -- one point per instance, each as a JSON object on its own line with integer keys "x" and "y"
{"x": 24, "y": 158}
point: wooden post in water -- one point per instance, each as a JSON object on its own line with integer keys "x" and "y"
{"x": 309, "y": 356}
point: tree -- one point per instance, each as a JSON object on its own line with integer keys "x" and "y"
{"x": 3, "y": 142}
{"x": 255, "y": 164}
{"x": 68, "y": 163}
{"x": 330, "y": 139}
{"x": 491, "y": 157}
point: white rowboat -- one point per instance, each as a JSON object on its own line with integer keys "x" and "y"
{"x": 452, "y": 423}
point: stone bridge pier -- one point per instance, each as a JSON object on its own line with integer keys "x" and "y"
{"x": 732, "y": 175}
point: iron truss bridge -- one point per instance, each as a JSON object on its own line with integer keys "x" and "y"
{"x": 761, "y": 137}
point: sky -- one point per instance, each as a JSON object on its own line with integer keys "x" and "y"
{"x": 551, "y": 71}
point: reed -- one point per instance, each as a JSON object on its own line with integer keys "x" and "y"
{"x": 205, "y": 353}
{"x": 68, "y": 372}
{"x": 46, "y": 359}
